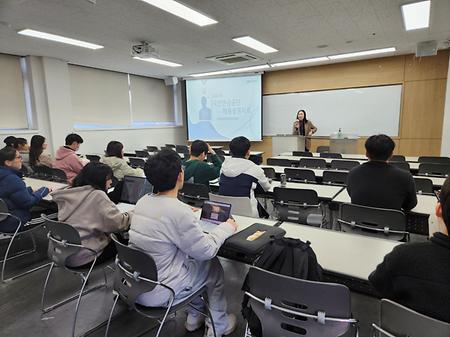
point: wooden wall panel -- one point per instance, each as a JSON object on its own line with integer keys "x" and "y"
{"x": 420, "y": 147}
{"x": 423, "y": 109}
{"x": 426, "y": 68}
{"x": 373, "y": 72}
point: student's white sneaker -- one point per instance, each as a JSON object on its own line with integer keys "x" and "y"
{"x": 232, "y": 323}
{"x": 194, "y": 322}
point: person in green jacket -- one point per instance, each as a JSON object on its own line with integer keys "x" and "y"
{"x": 196, "y": 169}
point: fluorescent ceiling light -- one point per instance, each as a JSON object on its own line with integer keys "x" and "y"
{"x": 362, "y": 53}
{"x": 158, "y": 61}
{"x": 232, "y": 71}
{"x": 296, "y": 62}
{"x": 182, "y": 11}
{"x": 416, "y": 15}
{"x": 58, "y": 38}
{"x": 255, "y": 44}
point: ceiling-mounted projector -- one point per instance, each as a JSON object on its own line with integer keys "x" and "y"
{"x": 144, "y": 50}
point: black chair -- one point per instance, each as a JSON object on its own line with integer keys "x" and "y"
{"x": 323, "y": 148}
{"x": 142, "y": 153}
{"x": 397, "y": 321}
{"x": 335, "y": 178}
{"x": 293, "y": 307}
{"x": 331, "y": 155}
{"x": 136, "y": 273}
{"x": 172, "y": 146}
{"x": 300, "y": 175}
{"x": 344, "y": 165}
{"x": 402, "y": 165}
{"x": 194, "y": 194}
{"x": 42, "y": 172}
{"x": 59, "y": 175}
{"x": 376, "y": 222}
{"x": 302, "y": 154}
{"x": 398, "y": 157}
{"x": 21, "y": 230}
{"x": 129, "y": 154}
{"x": 137, "y": 162}
{"x": 93, "y": 158}
{"x": 152, "y": 148}
{"x": 269, "y": 172}
{"x": 435, "y": 160}
{"x": 312, "y": 163}
{"x": 281, "y": 162}
{"x": 423, "y": 185}
{"x": 182, "y": 149}
{"x": 432, "y": 169}
{"x": 298, "y": 205}
{"x": 63, "y": 242}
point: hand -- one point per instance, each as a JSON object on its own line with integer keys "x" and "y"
{"x": 50, "y": 190}
{"x": 195, "y": 209}
{"x": 310, "y": 133}
{"x": 296, "y": 124}
{"x": 210, "y": 149}
{"x": 232, "y": 223}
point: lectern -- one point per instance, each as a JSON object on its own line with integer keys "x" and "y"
{"x": 285, "y": 143}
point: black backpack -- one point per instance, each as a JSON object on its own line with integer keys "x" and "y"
{"x": 285, "y": 256}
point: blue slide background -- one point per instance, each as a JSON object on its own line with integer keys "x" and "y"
{"x": 219, "y": 109}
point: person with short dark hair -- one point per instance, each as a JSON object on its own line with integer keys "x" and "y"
{"x": 21, "y": 145}
{"x": 9, "y": 141}
{"x": 37, "y": 156}
{"x": 114, "y": 159}
{"x": 376, "y": 183}
{"x": 87, "y": 208}
{"x": 417, "y": 275}
{"x": 19, "y": 198}
{"x": 198, "y": 171}
{"x": 240, "y": 177}
{"x": 185, "y": 256}
{"x": 66, "y": 158}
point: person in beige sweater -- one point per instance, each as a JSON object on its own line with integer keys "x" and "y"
{"x": 38, "y": 145}
{"x": 114, "y": 159}
{"x": 88, "y": 209}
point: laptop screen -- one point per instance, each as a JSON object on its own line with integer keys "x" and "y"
{"x": 134, "y": 188}
{"x": 215, "y": 212}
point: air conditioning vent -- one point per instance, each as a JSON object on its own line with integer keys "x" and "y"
{"x": 233, "y": 58}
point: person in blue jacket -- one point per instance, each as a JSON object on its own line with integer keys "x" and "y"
{"x": 19, "y": 198}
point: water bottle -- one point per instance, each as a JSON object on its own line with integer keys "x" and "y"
{"x": 339, "y": 134}
{"x": 283, "y": 179}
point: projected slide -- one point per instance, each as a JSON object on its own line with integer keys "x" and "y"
{"x": 219, "y": 109}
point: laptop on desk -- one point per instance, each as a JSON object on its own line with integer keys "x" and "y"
{"x": 133, "y": 189}
{"x": 213, "y": 214}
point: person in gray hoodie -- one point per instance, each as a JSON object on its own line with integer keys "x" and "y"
{"x": 185, "y": 256}
{"x": 87, "y": 208}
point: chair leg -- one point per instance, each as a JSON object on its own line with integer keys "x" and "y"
{"x": 79, "y": 297}
{"x": 165, "y": 317}
{"x": 110, "y": 314}
{"x": 45, "y": 286}
{"x": 209, "y": 314}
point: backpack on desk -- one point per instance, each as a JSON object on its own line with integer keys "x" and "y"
{"x": 285, "y": 256}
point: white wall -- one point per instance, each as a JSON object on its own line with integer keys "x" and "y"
{"x": 445, "y": 145}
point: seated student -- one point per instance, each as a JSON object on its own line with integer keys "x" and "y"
{"x": 19, "y": 198}
{"x": 21, "y": 145}
{"x": 198, "y": 171}
{"x": 9, "y": 141}
{"x": 240, "y": 177}
{"x": 87, "y": 208}
{"x": 417, "y": 275}
{"x": 66, "y": 158}
{"x": 379, "y": 184}
{"x": 114, "y": 159}
{"x": 169, "y": 232}
{"x": 37, "y": 155}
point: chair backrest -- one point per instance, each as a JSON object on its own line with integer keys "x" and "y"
{"x": 59, "y": 175}
{"x": 172, "y": 146}
{"x": 220, "y": 152}
{"x": 297, "y": 205}
{"x": 423, "y": 185}
{"x": 398, "y": 157}
{"x": 64, "y": 241}
{"x": 3, "y": 210}
{"x": 269, "y": 172}
{"x": 151, "y": 148}
{"x": 323, "y": 148}
{"x": 93, "y": 157}
{"x": 194, "y": 194}
{"x": 312, "y": 163}
{"x": 280, "y": 162}
{"x": 133, "y": 265}
{"x": 442, "y": 170}
{"x": 399, "y": 321}
{"x": 371, "y": 221}
{"x": 402, "y": 165}
{"x": 330, "y": 155}
{"x": 345, "y": 165}
{"x": 302, "y": 153}
{"x": 142, "y": 153}
{"x": 129, "y": 154}
{"x": 436, "y": 160}
{"x": 335, "y": 178}
{"x": 300, "y": 175}
{"x": 137, "y": 162}
{"x": 182, "y": 149}
{"x": 239, "y": 205}
{"x": 293, "y": 307}
{"x": 42, "y": 171}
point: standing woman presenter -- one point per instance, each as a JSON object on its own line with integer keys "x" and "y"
{"x": 303, "y": 127}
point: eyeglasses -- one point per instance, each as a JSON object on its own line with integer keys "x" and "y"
{"x": 19, "y": 157}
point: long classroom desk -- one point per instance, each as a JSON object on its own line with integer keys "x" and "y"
{"x": 35, "y": 184}
{"x": 350, "y": 156}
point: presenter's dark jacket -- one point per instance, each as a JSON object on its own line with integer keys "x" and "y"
{"x": 200, "y": 172}
{"x": 417, "y": 275}
{"x": 309, "y": 127}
